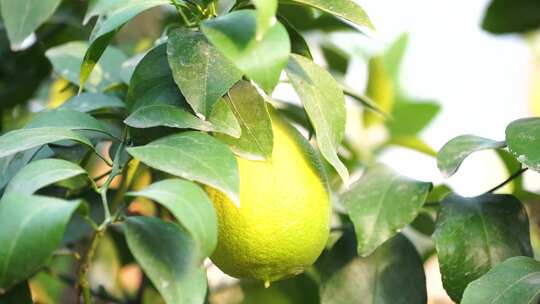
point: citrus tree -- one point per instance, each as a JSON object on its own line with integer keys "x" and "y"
{"x": 143, "y": 144}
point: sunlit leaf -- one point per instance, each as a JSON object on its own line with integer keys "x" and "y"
{"x": 346, "y": 9}
{"x": 324, "y": 102}
{"x": 454, "y": 152}
{"x": 382, "y": 203}
{"x": 193, "y": 156}
{"x": 256, "y": 141}
{"x": 523, "y": 138}
{"x": 201, "y": 72}
{"x": 263, "y": 59}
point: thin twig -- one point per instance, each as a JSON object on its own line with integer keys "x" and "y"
{"x": 509, "y": 179}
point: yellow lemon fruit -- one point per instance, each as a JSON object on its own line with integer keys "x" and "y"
{"x": 283, "y": 221}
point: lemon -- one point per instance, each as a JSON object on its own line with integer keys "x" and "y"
{"x": 283, "y": 221}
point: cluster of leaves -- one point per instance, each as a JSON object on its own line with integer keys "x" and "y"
{"x": 172, "y": 118}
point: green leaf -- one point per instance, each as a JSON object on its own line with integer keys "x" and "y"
{"x": 336, "y": 59}
{"x": 381, "y": 203}
{"x": 510, "y": 16}
{"x": 413, "y": 143}
{"x": 256, "y": 141}
{"x": 474, "y": 234}
{"x": 393, "y": 274}
{"x": 91, "y": 57}
{"x": 119, "y": 13}
{"x": 24, "y": 139}
{"x": 411, "y": 117}
{"x": 152, "y": 81}
{"x": 523, "y": 139}
{"x": 19, "y": 294}
{"x": 223, "y": 119}
{"x": 298, "y": 43}
{"x": 346, "y": 9}
{"x": 41, "y": 173}
{"x": 191, "y": 207}
{"x": 454, "y": 152}
{"x": 33, "y": 227}
{"x": 266, "y": 15}
{"x": 90, "y": 102}
{"x": 21, "y": 18}
{"x": 516, "y": 280}
{"x": 67, "y": 59}
{"x": 10, "y": 165}
{"x": 68, "y": 119}
{"x": 169, "y": 116}
{"x": 381, "y": 89}
{"x": 324, "y": 102}
{"x": 201, "y": 72}
{"x": 193, "y": 156}
{"x": 169, "y": 257}
{"x": 262, "y": 60}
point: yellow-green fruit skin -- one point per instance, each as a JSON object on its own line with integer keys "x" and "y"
{"x": 283, "y": 221}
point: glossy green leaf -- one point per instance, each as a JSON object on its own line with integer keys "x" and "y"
{"x": 24, "y": 139}
{"x": 33, "y": 227}
{"x": 41, "y": 173}
{"x": 336, "y": 59}
{"x": 454, "y": 152}
{"x": 68, "y": 119}
{"x": 67, "y": 59}
{"x": 22, "y": 18}
{"x": 266, "y": 15}
{"x": 256, "y": 141}
{"x": 193, "y": 156}
{"x": 19, "y": 294}
{"x": 523, "y": 139}
{"x": 168, "y": 116}
{"x": 474, "y": 234}
{"x": 169, "y": 257}
{"x": 191, "y": 207}
{"x": 89, "y": 102}
{"x": 152, "y": 81}
{"x": 298, "y": 43}
{"x": 262, "y": 60}
{"x": 346, "y": 9}
{"x": 516, "y": 280}
{"x": 381, "y": 203}
{"x": 393, "y": 274}
{"x": 201, "y": 72}
{"x": 12, "y": 164}
{"x": 511, "y": 16}
{"x": 91, "y": 57}
{"x": 324, "y": 102}
{"x": 119, "y": 13}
